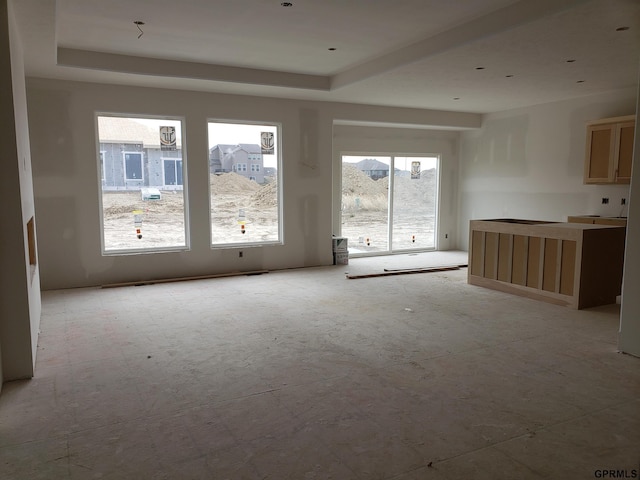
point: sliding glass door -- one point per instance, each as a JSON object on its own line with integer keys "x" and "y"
{"x": 389, "y": 203}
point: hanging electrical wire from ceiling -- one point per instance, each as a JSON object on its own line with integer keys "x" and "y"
{"x": 139, "y": 23}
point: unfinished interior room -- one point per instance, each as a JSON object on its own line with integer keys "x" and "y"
{"x": 259, "y": 239}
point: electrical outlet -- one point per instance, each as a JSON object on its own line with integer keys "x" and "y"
{"x": 623, "y": 201}
{"x": 605, "y": 200}
{"x": 240, "y": 254}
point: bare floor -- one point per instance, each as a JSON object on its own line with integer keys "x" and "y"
{"x": 307, "y": 375}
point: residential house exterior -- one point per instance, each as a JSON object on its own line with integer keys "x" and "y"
{"x": 131, "y": 157}
{"x": 244, "y": 159}
{"x": 373, "y": 168}
{"x": 270, "y": 171}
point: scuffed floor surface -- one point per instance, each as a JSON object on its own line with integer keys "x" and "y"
{"x": 306, "y": 375}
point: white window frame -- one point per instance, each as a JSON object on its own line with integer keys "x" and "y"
{"x": 184, "y": 190}
{"x": 103, "y": 175}
{"x": 278, "y": 167}
{"x": 174, "y": 160}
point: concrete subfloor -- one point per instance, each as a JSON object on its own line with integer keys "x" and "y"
{"x": 303, "y": 374}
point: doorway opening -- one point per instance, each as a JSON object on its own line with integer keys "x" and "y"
{"x": 389, "y": 203}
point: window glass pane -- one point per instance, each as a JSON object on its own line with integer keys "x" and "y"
{"x": 373, "y": 183}
{"x": 141, "y": 168}
{"x": 244, "y": 202}
{"x": 414, "y": 202}
{"x": 365, "y": 202}
{"x": 133, "y": 166}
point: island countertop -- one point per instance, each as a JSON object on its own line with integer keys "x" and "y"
{"x": 573, "y": 264}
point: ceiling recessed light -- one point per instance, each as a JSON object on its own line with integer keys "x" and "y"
{"x": 287, "y": 4}
{"x": 571, "y": 60}
{"x": 622, "y": 29}
{"x": 479, "y": 68}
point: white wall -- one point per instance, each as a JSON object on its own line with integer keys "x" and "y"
{"x": 629, "y": 338}
{"x": 19, "y": 284}
{"x": 529, "y": 163}
{"x": 349, "y": 139}
{"x": 63, "y": 144}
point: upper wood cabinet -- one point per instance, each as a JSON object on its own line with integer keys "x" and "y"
{"x": 609, "y": 151}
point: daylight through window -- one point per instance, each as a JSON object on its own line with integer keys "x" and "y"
{"x": 389, "y": 203}
{"x": 141, "y": 169}
{"x": 244, "y": 200}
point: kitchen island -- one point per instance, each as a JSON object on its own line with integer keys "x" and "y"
{"x": 573, "y": 264}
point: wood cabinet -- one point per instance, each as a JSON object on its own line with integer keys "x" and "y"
{"x": 609, "y": 150}
{"x": 574, "y": 264}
